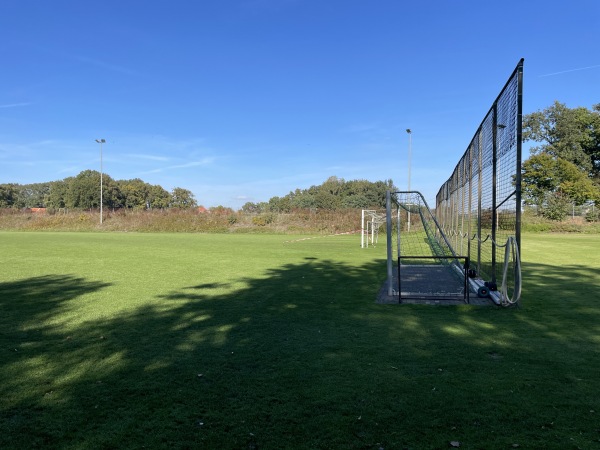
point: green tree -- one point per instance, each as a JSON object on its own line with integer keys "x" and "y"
{"x": 572, "y": 134}
{"x": 574, "y": 183}
{"x": 327, "y": 200}
{"x": 8, "y": 195}
{"x": 355, "y": 201}
{"x": 329, "y": 195}
{"x": 555, "y": 206}
{"x": 158, "y": 197}
{"x": 33, "y": 195}
{"x": 58, "y": 193}
{"x": 336, "y": 193}
{"x": 377, "y": 193}
{"x": 135, "y": 193}
{"x": 544, "y": 174}
{"x": 280, "y": 204}
{"x": 182, "y": 198}
{"x": 304, "y": 200}
{"x": 250, "y": 208}
{"x": 565, "y": 166}
{"x": 112, "y": 197}
{"x": 84, "y": 190}
{"x": 538, "y": 178}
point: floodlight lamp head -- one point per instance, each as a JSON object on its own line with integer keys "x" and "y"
{"x": 408, "y": 130}
{"x": 100, "y": 141}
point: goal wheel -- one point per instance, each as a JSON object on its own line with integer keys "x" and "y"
{"x": 483, "y": 292}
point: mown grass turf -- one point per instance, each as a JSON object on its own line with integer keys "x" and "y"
{"x": 228, "y": 341}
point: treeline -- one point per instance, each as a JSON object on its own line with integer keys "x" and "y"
{"x": 333, "y": 194}
{"x": 564, "y": 170}
{"x": 83, "y": 192}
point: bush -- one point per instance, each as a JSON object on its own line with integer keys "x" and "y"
{"x": 263, "y": 219}
{"x": 593, "y": 215}
{"x": 556, "y": 207}
{"x": 320, "y": 221}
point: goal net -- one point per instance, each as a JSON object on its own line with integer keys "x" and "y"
{"x": 477, "y": 221}
{"x": 371, "y": 222}
{"x": 421, "y": 262}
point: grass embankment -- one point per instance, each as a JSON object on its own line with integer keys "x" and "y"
{"x": 182, "y": 221}
{"x": 227, "y": 221}
{"x": 532, "y": 223}
{"x": 245, "y": 341}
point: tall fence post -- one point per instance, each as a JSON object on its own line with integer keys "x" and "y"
{"x": 519, "y": 154}
{"x": 479, "y": 186}
{"x": 494, "y": 186}
{"x": 388, "y": 230}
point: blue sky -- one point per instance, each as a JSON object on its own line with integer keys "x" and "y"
{"x": 242, "y": 100}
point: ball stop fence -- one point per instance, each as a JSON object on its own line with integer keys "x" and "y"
{"x": 474, "y": 237}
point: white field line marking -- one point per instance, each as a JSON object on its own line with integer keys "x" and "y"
{"x": 325, "y": 235}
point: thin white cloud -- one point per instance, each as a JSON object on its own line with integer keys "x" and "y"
{"x": 568, "y": 71}
{"x": 104, "y": 65}
{"x": 15, "y": 105}
{"x": 149, "y": 157}
{"x": 203, "y": 162}
{"x": 69, "y": 170}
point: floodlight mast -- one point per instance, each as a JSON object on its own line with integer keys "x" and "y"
{"x": 408, "y": 130}
{"x": 101, "y": 141}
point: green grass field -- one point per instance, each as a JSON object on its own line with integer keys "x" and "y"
{"x": 128, "y": 340}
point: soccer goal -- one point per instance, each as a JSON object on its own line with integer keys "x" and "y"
{"x": 371, "y": 222}
{"x": 422, "y": 265}
{"x": 475, "y": 230}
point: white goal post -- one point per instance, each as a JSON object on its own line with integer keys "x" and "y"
{"x": 371, "y": 221}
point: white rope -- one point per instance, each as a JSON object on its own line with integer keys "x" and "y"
{"x": 511, "y": 248}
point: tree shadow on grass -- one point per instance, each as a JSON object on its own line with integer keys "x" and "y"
{"x": 29, "y": 339}
{"x": 28, "y": 304}
{"x": 561, "y": 300}
{"x": 41, "y": 295}
{"x": 300, "y": 358}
